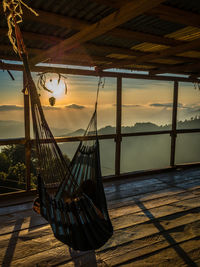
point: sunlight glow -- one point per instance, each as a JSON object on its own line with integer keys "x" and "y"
{"x": 57, "y": 88}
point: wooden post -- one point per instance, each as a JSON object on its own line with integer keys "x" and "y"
{"x": 118, "y": 138}
{"x": 27, "y": 134}
{"x": 174, "y": 121}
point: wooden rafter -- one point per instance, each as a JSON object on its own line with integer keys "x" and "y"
{"x": 18, "y": 67}
{"x": 127, "y": 12}
{"x": 176, "y": 15}
{"x": 85, "y": 58}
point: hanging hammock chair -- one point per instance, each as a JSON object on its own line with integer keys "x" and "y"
{"x": 71, "y": 196}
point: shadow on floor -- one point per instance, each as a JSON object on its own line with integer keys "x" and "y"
{"x": 182, "y": 254}
{"x": 12, "y": 243}
{"x": 86, "y": 259}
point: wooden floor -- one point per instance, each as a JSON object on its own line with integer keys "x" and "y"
{"x": 156, "y": 223}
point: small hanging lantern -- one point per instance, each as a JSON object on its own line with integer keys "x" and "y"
{"x": 52, "y": 101}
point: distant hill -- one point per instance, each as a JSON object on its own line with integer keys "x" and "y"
{"x": 11, "y": 129}
{"x": 138, "y": 153}
{"x": 15, "y": 129}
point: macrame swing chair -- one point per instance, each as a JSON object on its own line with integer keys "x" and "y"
{"x": 71, "y": 196}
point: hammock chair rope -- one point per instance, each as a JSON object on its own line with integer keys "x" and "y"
{"x": 71, "y": 196}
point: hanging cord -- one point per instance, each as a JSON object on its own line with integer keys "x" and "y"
{"x": 94, "y": 116}
{"x": 100, "y": 84}
{"x": 196, "y": 85}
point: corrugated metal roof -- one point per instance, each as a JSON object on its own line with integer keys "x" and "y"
{"x": 114, "y": 41}
{"x": 90, "y": 11}
{"x": 188, "y": 5}
{"x": 86, "y": 10}
{"x": 151, "y": 25}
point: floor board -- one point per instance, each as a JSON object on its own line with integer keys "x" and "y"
{"x": 156, "y": 223}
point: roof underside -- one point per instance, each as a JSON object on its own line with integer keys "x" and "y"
{"x": 156, "y": 36}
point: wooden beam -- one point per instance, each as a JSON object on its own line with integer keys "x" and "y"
{"x": 174, "y": 121}
{"x": 113, "y": 74}
{"x": 127, "y": 12}
{"x": 73, "y": 58}
{"x": 27, "y": 134}
{"x": 118, "y": 138}
{"x": 176, "y": 15}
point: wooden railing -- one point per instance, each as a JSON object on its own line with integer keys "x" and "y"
{"x": 118, "y": 136}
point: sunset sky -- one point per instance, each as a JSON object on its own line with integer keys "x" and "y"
{"x": 143, "y": 101}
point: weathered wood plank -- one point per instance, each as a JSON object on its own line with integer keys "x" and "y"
{"x": 146, "y": 225}
{"x": 142, "y": 236}
{"x": 131, "y": 226}
{"x": 9, "y": 220}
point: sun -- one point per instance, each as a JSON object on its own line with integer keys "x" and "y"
{"x": 58, "y": 88}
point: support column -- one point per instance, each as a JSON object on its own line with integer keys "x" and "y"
{"x": 118, "y": 138}
{"x": 174, "y": 122}
{"x": 27, "y": 134}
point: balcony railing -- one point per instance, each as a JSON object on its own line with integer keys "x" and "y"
{"x": 117, "y": 137}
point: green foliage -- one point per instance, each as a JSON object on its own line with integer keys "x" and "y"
{"x": 13, "y": 168}
{"x": 15, "y": 153}
{"x": 17, "y": 172}
{"x": 3, "y": 176}
{"x": 4, "y": 162}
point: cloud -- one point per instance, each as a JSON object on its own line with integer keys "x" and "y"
{"x": 165, "y": 105}
{"x": 193, "y": 108}
{"x": 129, "y": 106}
{"x": 75, "y": 106}
{"x": 50, "y": 108}
{"x": 10, "y": 107}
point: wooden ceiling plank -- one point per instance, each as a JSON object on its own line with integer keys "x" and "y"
{"x": 176, "y": 15}
{"x": 127, "y": 12}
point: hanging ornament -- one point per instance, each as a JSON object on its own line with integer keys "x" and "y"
{"x": 52, "y": 101}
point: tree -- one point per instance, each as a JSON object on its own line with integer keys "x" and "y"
{"x": 17, "y": 172}
{"x": 4, "y": 162}
{"x": 12, "y": 167}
